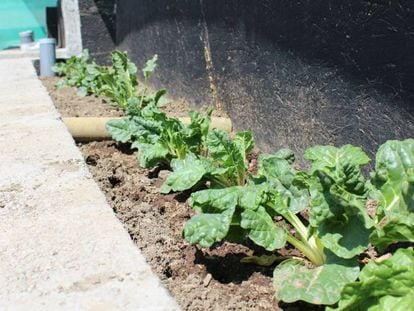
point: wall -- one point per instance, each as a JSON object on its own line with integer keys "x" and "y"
{"x": 297, "y": 73}
{"x": 98, "y": 24}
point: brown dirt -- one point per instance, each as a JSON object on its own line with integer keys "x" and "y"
{"x": 198, "y": 279}
{"x": 70, "y": 104}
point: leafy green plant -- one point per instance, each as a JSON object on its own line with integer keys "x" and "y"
{"x": 159, "y": 138}
{"x": 386, "y": 284}
{"x": 223, "y": 164}
{"x": 393, "y": 189}
{"x": 339, "y": 197}
{"x": 120, "y": 81}
{"x": 81, "y": 73}
{"x": 122, "y": 88}
{"x": 145, "y": 96}
{"x": 339, "y": 227}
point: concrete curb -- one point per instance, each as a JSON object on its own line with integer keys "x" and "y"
{"x": 61, "y": 246}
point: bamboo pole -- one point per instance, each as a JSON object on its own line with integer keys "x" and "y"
{"x": 86, "y": 129}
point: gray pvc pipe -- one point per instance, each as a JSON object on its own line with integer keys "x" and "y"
{"x": 26, "y": 37}
{"x": 47, "y": 56}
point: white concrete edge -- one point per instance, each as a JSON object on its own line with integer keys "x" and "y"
{"x": 34, "y": 276}
{"x": 72, "y": 27}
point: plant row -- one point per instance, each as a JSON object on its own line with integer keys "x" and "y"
{"x": 348, "y": 213}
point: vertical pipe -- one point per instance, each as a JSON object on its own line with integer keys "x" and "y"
{"x": 47, "y": 56}
{"x": 26, "y": 39}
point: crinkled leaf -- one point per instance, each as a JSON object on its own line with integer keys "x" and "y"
{"x": 121, "y": 63}
{"x": 219, "y": 145}
{"x": 244, "y": 143}
{"x": 294, "y": 281}
{"x": 217, "y": 207}
{"x": 331, "y": 157}
{"x": 394, "y": 303}
{"x": 150, "y": 155}
{"x": 186, "y": 174}
{"x": 207, "y": 229}
{"x": 121, "y": 130}
{"x": 395, "y": 229}
{"x": 132, "y": 108}
{"x": 346, "y": 239}
{"x": 199, "y": 126}
{"x": 394, "y": 182}
{"x": 279, "y": 172}
{"x": 230, "y": 154}
{"x": 215, "y": 200}
{"x": 340, "y": 220}
{"x": 339, "y": 195}
{"x": 276, "y": 169}
{"x": 382, "y": 284}
{"x": 262, "y": 229}
{"x": 251, "y": 196}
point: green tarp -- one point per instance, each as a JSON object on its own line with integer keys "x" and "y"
{"x": 22, "y": 15}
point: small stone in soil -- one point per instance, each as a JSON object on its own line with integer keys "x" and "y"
{"x": 207, "y": 279}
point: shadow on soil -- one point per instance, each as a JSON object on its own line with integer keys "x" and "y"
{"x": 228, "y": 269}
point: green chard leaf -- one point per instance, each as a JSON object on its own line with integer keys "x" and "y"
{"x": 330, "y": 157}
{"x": 121, "y": 130}
{"x": 215, "y": 200}
{"x": 82, "y": 91}
{"x": 207, "y": 229}
{"x": 278, "y": 171}
{"x": 338, "y": 198}
{"x": 149, "y": 155}
{"x": 393, "y": 182}
{"x": 383, "y": 285}
{"x": 262, "y": 229}
{"x": 231, "y": 155}
{"x": 150, "y": 67}
{"x": 294, "y": 280}
{"x": 216, "y": 208}
{"x": 186, "y": 174}
{"x": 244, "y": 203}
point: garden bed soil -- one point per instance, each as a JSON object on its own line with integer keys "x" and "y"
{"x": 199, "y": 279}
{"x": 70, "y": 104}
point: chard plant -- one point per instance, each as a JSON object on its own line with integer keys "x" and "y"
{"x": 222, "y": 162}
{"x": 339, "y": 227}
{"x": 120, "y": 81}
{"x": 159, "y": 138}
{"x": 82, "y": 73}
{"x": 121, "y": 85}
{"x": 145, "y": 96}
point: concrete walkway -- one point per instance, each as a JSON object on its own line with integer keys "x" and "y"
{"x": 61, "y": 247}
